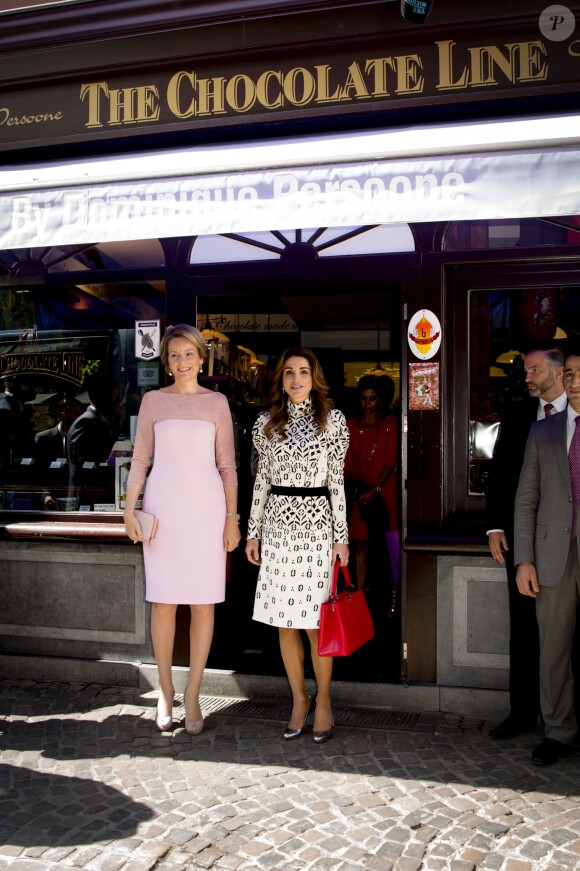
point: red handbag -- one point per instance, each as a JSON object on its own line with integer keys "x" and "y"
{"x": 345, "y": 620}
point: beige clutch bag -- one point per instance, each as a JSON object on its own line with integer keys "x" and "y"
{"x": 148, "y": 524}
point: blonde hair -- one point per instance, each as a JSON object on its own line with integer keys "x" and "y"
{"x": 182, "y": 331}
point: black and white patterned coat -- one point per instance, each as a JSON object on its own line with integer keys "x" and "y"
{"x": 296, "y": 533}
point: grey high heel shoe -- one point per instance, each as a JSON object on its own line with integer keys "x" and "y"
{"x": 321, "y": 737}
{"x": 290, "y": 734}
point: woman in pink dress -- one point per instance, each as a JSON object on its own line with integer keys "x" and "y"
{"x": 185, "y": 434}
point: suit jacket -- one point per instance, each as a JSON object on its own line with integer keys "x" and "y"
{"x": 505, "y": 467}
{"x": 543, "y": 513}
{"x": 50, "y": 444}
{"x": 89, "y": 440}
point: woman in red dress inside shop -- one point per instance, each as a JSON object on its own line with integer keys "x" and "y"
{"x": 371, "y": 477}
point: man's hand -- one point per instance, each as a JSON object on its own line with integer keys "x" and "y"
{"x": 527, "y": 580}
{"x": 497, "y": 542}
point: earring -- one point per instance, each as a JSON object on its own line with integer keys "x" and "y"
{"x": 201, "y": 369}
{"x": 171, "y": 375}
{"x": 283, "y": 391}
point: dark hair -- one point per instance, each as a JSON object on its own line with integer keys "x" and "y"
{"x": 384, "y": 387}
{"x": 278, "y": 406}
{"x": 100, "y": 389}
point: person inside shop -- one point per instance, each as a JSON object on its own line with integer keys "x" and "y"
{"x": 297, "y": 528}
{"x": 185, "y": 431}
{"x": 546, "y": 553}
{"x": 51, "y": 444}
{"x": 13, "y": 422}
{"x": 90, "y": 437}
{"x": 544, "y": 383}
{"x": 371, "y": 482}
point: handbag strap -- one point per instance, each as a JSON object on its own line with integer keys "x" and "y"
{"x": 338, "y": 567}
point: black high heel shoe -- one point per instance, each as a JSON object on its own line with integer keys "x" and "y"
{"x": 326, "y": 735}
{"x": 290, "y": 734}
{"x": 321, "y": 737}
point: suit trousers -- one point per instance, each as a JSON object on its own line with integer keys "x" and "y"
{"x": 556, "y": 612}
{"x": 524, "y": 651}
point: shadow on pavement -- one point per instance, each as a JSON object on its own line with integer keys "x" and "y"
{"x": 469, "y": 758}
{"x": 56, "y": 811}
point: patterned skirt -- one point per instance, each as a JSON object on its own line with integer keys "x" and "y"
{"x": 296, "y": 552}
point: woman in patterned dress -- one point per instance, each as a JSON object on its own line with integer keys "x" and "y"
{"x": 298, "y": 522}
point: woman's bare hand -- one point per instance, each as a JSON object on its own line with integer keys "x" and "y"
{"x": 340, "y": 551}
{"x": 132, "y": 527}
{"x": 253, "y": 551}
{"x": 232, "y": 534}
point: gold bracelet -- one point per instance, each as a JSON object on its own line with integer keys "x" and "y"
{"x": 233, "y": 514}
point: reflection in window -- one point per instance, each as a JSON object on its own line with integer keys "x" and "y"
{"x": 511, "y": 233}
{"x": 66, "y": 350}
{"x": 505, "y": 325}
{"x": 321, "y": 242}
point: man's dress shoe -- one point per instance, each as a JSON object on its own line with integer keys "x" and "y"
{"x": 549, "y": 751}
{"x": 509, "y": 728}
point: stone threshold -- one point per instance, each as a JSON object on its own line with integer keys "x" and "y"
{"x": 401, "y": 697}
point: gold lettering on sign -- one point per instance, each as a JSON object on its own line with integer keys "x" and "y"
{"x": 491, "y": 65}
{"x": 15, "y": 120}
{"x": 189, "y": 95}
{"x": 378, "y": 68}
{"x": 269, "y": 89}
{"x": 126, "y": 105}
{"x": 355, "y": 84}
{"x": 409, "y": 79}
{"x": 323, "y": 85}
{"x": 63, "y": 364}
{"x": 299, "y": 86}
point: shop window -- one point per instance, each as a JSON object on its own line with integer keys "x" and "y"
{"x": 35, "y": 263}
{"x": 322, "y": 242}
{"x": 504, "y": 326}
{"x": 63, "y": 348}
{"x": 511, "y": 233}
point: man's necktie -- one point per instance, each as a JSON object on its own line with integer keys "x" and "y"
{"x": 548, "y": 409}
{"x": 574, "y": 464}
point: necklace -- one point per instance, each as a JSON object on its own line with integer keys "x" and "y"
{"x": 362, "y": 430}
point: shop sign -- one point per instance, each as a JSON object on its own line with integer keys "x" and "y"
{"x": 147, "y": 339}
{"x": 424, "y": 386}
{"x": 261, "y": 323}
{"x": 424, "y": 334}
{"x": 432, "y": 188}
{"x": 147, "y": 374}
{"x": 63, "y": 358}
{"x": 66, "y": 364}
{"x": 398, "y": 71}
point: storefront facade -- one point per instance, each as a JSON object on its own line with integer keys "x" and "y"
{"x": 399, "y": 197}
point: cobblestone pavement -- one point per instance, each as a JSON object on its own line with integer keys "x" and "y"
{"x": 87, "y": 782}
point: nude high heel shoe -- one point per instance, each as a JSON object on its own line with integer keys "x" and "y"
{"x": 165, "y": 723}
{"x": 194, "y": 727}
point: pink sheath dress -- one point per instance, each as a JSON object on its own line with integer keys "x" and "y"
{"x": 190, "y": 440}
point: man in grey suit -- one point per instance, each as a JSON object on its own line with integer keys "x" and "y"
{"x": 547, "y": 555}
